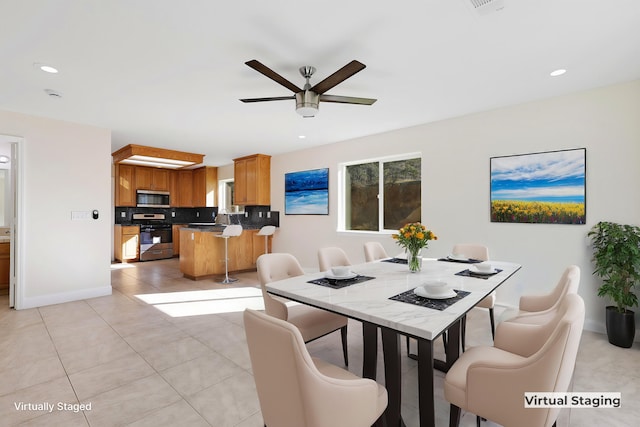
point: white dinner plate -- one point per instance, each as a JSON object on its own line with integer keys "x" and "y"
{"x": 345, "y": 277}
{"x": 422, "y": 292}
{"x": 475, "y": 270}
{"x": 458, "y": 257}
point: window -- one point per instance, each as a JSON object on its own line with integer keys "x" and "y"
{"x": 225, "y": 195}
{"x": 382, "y": 194}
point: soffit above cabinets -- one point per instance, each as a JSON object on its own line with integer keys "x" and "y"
{"x": 141, "y": 155}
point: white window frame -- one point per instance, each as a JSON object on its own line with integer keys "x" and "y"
{"x": 342, "y": 203}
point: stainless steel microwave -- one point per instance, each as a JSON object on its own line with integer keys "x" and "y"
{"x": 152, "y": 199}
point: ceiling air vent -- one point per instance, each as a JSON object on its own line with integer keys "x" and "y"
{"x": 485, "y": 6}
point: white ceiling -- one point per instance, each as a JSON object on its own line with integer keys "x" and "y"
{"x": 169, "y": 73}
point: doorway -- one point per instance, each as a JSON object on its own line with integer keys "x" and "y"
{"x": 10, "y": 201}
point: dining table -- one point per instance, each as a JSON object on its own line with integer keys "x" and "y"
{"x": 385, "y": 296}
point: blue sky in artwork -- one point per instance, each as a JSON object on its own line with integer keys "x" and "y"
{"x": 548, "y": 177}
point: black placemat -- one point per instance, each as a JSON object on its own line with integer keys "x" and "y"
{"x": 469, "y": 273}
{"x": 437, "y": 304}
{"x": 396, "y": 260}
{"x": 462, "y": 261}
{"x": 340, "y": 283}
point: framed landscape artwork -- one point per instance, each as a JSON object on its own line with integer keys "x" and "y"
{"x": 547, "y": 187}
{"x": 306, "y": 192}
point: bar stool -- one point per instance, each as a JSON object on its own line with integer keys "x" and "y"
{"x": 229, "y": 231}
{"x": 267, "y": 231}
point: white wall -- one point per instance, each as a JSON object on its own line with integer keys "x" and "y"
{"x": 66, "y": 167}
{"x": 455, "y": 171}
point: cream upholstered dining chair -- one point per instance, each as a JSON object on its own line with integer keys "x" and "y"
{"x": 332, "y": 257}
{"x": 538, "y": 309}
{"x": 312, "y": 322}
{"x": 374, "y": 251}
{"x": 480, "y": 253}
{"x": 296, "y": 390}
{"x": 491, "y": 381}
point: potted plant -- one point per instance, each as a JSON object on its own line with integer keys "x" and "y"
{"x": 616, "y": 256}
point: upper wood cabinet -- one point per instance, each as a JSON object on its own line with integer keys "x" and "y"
{"x": 184, "y": 198}
{"x": 125, "y": 191}
{"x": 205, "y": 183}
{"x": 252, "y": 180}
{"x": 152, "y": 179}
{"x": 188, "y": 188}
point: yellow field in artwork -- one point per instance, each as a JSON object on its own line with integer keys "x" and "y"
{"x": 538, "y": 212}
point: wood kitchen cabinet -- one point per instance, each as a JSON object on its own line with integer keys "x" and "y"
{"x": 184, "y": 198}
{"x": 175, "y": 237}
{"x": 205, "y": 183}
{"x": 5, "y": 266}
{"x": 126, "y": 242}
{"x": 152, "y": 178}
{"x": 125, "y": 188}
{"x": 252, "y": 180}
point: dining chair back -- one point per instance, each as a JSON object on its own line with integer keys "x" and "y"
{"x": 374, "y": 251}
{"x": 480, "y": 253}
{"x": 332, "y": 257}
{"x": 295, "y": 390}
{"x": 312, "y": 322}
{"x": 537, "y": 309}
{"x": 491, "y": 381}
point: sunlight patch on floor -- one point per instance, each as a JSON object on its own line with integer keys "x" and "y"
{"x": 212, "y": 301}
{"x": 120, "y": 266}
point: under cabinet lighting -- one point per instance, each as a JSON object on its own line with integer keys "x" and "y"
{"x": 157, "y": 157}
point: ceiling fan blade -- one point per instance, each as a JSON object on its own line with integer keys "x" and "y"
{"x": 338, "y": 77}
{"x": 347, "y": 99}
{"x": 273, "y": 98}
{"x": 263, "y": 69}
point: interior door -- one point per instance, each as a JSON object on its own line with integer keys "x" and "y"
{"x": 14, "y": 224}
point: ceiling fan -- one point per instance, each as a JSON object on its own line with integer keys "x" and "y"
{"x": 308, "y": 98}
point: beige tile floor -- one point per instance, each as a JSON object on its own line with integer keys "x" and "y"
{"x": 166, "y": 351}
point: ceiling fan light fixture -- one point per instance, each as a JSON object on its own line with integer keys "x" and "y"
{"x": 307, "y": 103}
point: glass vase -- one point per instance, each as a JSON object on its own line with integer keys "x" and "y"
{"x": 414, "y": 260}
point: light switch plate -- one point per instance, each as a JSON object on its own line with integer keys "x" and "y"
{"x": 80, "y": 215}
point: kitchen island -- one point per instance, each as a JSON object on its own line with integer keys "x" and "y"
{"x": 202, "y": 253}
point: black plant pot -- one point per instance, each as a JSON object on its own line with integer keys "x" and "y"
{"x": 621, "y": 327}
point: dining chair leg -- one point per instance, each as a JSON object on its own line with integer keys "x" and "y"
{"x": 477, "y": 420}
{"x": 380, "y": 422}
{"x": 493, "y": 325}
{"x": 454, "y": 416}
{"x": 463, "y": 331}
{"x": 343, "y": 334}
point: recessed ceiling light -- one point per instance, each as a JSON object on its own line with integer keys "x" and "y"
{"x": 301, "y": 136}
{"x": 46, "y": 68}
{"x": 558, "y": 72}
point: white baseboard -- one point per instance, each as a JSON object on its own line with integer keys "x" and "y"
{"x": 63, "y": 297}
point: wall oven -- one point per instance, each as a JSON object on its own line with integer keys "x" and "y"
{"x": 152, "y": 199}
{"x": 156, "y": 240}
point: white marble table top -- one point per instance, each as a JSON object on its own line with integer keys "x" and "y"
{"x": 369, "y": 301}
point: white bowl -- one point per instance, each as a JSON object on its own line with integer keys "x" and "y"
{"x": 340, "y": 271}
{"x": 484, "y": 267}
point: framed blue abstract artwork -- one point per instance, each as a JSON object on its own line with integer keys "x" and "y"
{"x": 306, "y": 192}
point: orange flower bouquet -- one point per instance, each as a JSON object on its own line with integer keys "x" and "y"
{"x": 413, "y": 237}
